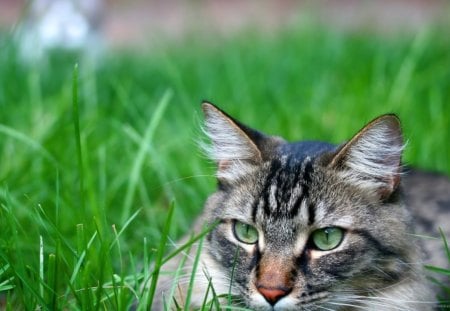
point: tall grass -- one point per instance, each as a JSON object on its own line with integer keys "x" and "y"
{"x": 91, "y": 158}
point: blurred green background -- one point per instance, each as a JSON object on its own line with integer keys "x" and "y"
{"x": 93, "y": 149}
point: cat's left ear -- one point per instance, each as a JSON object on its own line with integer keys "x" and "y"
{"x": 236, "y": 148}
{"x": 372, "y": 158}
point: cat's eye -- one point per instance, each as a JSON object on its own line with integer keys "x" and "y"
{"x": 245, "y": 233}
{"x": 327, "y": 238}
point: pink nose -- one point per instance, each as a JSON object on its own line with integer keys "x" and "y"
{"x": 272, "y": 295}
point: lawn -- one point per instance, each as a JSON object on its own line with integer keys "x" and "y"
{"x": 93, "y": 157}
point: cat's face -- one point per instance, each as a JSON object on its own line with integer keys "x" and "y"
{"x": 306, "y": 226}
{"x": 290, "y": 249}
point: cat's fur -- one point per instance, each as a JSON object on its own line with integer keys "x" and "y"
{"x": 288, "y": 190}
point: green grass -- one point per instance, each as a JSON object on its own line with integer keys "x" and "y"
{"x": 92, "y": 157}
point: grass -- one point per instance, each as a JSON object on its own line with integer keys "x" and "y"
{"x": 91, "y": 157}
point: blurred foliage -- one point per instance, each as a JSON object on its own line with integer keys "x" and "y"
{"x": 307, "y": 83}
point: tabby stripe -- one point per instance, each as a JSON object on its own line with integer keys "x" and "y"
{"x": 311, "y": 213}
{"x": 308, "y": 170}
{"x": 255, "y": 209}
{"x": 296, "y": 206}
{"x": 294, "y": 180}
{"x": 290, "y": 178}
{"x": 284, "y": 182}
{"x": 305, "y": 176}
{"x": 255, "y": 259}
{"x": 302, "y": 263}
{"x": 275, "y": 170}
{"x": 281, "y": 184}
{"x": 383, "y": 249}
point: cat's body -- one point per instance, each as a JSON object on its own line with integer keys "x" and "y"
{"x": 427, "y": 196}
{"x": 306, "y": 226}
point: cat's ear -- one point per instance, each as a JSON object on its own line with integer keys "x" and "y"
{"x": 372, "y": 158}
{"x": 234, "y": 145}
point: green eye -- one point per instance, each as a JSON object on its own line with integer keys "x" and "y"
{"x": 327, "y": 238}
{"x": 245, "y": 233}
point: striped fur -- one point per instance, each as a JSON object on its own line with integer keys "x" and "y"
{"x": 286, "y": 191}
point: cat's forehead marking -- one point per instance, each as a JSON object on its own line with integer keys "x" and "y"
{"x": 285, "y": 188}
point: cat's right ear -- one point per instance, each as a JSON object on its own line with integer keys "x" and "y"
{"x": 372, "y": 158}
{"x": 233, "y": 147}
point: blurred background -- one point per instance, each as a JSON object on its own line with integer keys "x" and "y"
{"x": 134, "y": 22}
{"x": 100, "y": 118}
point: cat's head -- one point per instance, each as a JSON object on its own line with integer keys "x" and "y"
{"x": 306, "y": 225}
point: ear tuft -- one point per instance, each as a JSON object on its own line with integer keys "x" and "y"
{"x": 235, "y": 153}
{"x": 372, "y": 158}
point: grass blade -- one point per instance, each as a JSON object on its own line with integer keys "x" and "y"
{"x": 6, "y": 284}
{"x": 444, "y": 239}
{"x": 51, "y": 281}
{"x": 41, "y": 265}
{"x": 190, "y": 242}
{"x": 193, "y": 274}
{"x": 139, "y": 160}
{"x": 76, "y": 124}
{"x": 438, "y": 270}
{"x": 124, "y": 227}
{"x": 236, "y": 256}
{"x": 34, "y": 145}
{"x": 159, "y": 257}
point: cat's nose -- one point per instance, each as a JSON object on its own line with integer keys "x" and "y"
{"x": 272, "y": 295}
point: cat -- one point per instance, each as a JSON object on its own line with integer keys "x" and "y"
{"x": 307, "y": 225}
